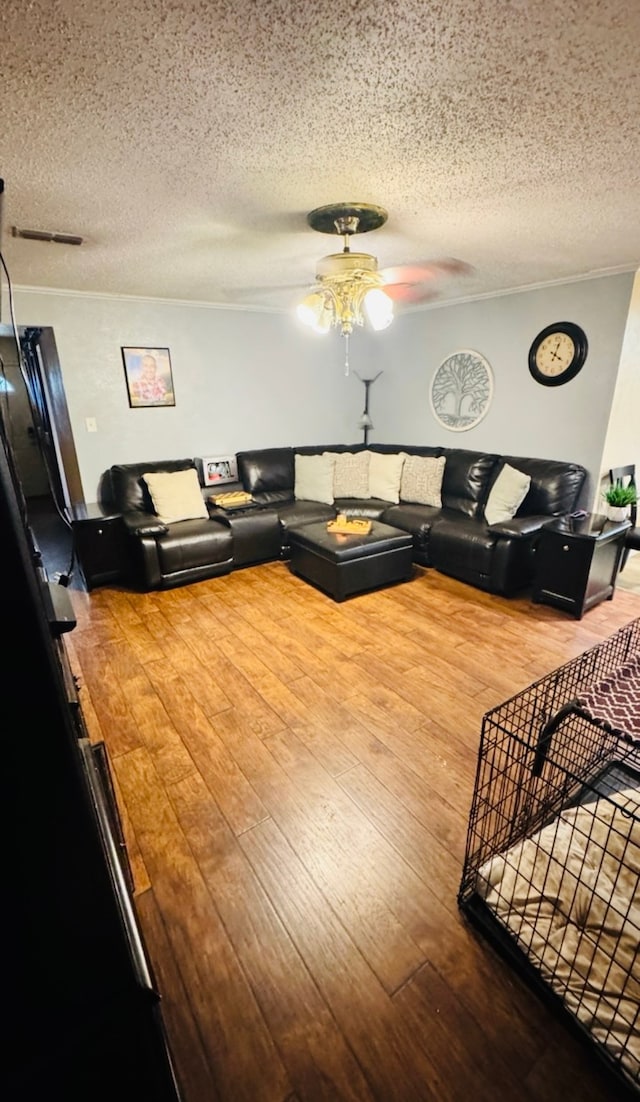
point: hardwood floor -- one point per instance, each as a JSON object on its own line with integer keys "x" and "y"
{"x": 295, "y": 778}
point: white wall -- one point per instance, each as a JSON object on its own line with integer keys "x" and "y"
{"x": 247, "y": 379}
{"x": 563, "y": 422}
{"x": 242, "y": 379}
{"x": 622, "y": 441}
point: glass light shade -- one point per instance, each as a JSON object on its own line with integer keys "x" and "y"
{"x": 379, "y": 308}
{"x": 312, "y": 311}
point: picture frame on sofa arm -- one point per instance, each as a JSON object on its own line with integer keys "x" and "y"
{"x": 218, "y": 469}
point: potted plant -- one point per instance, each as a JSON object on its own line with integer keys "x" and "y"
{"x": 618, "y": 499}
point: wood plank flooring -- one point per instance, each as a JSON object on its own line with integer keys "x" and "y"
{"x": 295, "y": 778}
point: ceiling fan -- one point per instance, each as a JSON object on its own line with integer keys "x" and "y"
{"x": 349, "y": 285}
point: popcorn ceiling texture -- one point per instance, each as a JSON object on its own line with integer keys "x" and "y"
{"x": 186, "y": 141}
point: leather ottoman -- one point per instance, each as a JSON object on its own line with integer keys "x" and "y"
{"x": 343, "y": 565}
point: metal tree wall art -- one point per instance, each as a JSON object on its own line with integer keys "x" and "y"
{"x": 461, "y": 390}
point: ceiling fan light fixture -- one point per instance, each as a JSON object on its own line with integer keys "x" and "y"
{"x": 313, "y": 312}
{"x": 379, "y": 308}
{"x": 349, "y": 286}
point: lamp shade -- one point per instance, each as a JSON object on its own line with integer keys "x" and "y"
{"x": 379, "y": 308}
{"x": 312, "y": 311}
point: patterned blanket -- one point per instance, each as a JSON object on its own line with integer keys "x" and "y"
{"x": 615, "y": 701}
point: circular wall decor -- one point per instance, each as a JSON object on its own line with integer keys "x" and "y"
{"x": 558, "y": 353}
{"x": 461, "y": 390}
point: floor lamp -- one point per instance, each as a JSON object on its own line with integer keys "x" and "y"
{"x": 365, "y": 423}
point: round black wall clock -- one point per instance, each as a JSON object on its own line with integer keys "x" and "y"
{"x": 558, "y": 353}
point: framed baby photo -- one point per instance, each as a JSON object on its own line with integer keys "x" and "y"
{"x": 217, "y": 469}
{"x": 149, "y": 377}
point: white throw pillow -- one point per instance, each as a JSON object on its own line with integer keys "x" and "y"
{"x": 422, "y": 480}
{"x": 507, "y": 494}
{"x": 314, "y": 478}
{"x": 351, "y": 474}
{"x": 385, "y": 472}
{"x": 176, "y": 495}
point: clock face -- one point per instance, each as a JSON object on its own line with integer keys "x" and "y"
{"x": 558, "y": 353}
{"x": 555, "y": 354}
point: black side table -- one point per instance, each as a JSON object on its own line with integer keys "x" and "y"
{"x": 100, "y": 543}
{"x": 577, "y": 562}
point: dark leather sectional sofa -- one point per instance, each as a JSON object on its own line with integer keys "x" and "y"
{"x": 454, "y": 539}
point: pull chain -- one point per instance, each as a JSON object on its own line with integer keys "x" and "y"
{"x": 346, "y": 353}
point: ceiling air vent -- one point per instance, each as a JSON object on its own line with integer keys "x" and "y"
{"x": 46, "y": 235}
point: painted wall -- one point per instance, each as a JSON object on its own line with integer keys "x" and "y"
{"x": 622, "y": 441}
{"x": 254, "y": 379}
{"x": 565, "y": 422}
{"x": 242, "y": 379}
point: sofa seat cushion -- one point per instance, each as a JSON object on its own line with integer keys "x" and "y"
{"x": 373, "y": 507}
{"x": 416, "y": 519}
{"x": 193, "y": 543}
{"x": 303, "y": 512}
{"x": 462, "y": 546}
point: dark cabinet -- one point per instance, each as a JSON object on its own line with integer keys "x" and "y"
{"x": 83, "y": 1018}
{"x": 100, "y": 544}
{"x": 577, "y": 562}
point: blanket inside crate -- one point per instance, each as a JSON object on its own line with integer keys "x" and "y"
{"x": 569, "y": 895}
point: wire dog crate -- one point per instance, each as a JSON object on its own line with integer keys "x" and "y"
{"x": 552, "y": 863}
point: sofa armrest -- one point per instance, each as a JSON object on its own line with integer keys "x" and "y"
{"x": 521, "y": 527}
{"x": 144, "y": 524}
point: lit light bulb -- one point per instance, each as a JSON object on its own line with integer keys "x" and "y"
{"x": 379, "y": 308}
{"x": 312, "y": 311}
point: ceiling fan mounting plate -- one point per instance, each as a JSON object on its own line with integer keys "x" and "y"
{"x": 347, "y": 218}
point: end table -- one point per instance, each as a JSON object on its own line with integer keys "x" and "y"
{"x": 577, "y": 561}
{"x": 100, "y": 543}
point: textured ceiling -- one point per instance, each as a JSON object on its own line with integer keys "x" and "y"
{"x": 185, "y": 140}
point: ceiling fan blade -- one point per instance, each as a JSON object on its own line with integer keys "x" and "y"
{"x": 425, "y": 271}
{"x": 409, "y": 293}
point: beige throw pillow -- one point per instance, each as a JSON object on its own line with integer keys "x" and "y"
{"x": 314, "y": 478}
{"x": 176, "y": 495}
{"x": 507, "y": 494}
{"x": 422, "y": 480}
{"x": 385, "y": 472}
{"x": 351, "y": 474}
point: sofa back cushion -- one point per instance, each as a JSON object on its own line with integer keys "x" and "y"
{"x": 129, "y": 491}
{"x": 413, "y": 449}
{"x": 555, "y": 486}
{"x": 266, "y": 469}
{"x": 466, "y": 479}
